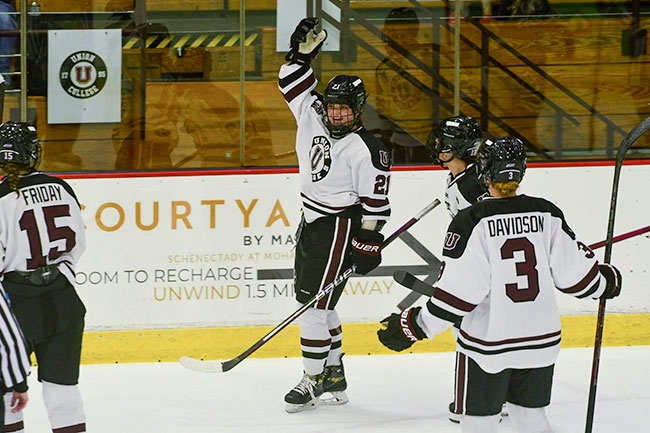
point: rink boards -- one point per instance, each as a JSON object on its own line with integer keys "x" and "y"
{"x": 201, "y": 263}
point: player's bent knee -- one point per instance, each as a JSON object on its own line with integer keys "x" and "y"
{"x": 529, "y": 419}
{"x": 313, "y": 317}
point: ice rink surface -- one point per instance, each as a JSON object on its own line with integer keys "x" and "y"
{"x": 388, "y": 393}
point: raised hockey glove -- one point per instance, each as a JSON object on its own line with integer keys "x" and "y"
{"x": 366, "y": 250}
{"x": 305, "y": 42}
{"x": 614, "y": 281}
{"x": 400, "y": 331}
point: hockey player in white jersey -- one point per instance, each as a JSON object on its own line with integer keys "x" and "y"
{"x": 504, "y": 257}
{"x": 453, "y": 144}
{"x": 344, "y": 182}
{"x": 42, "y": 237}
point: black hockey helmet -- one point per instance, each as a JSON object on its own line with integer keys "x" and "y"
{"x": 502, "y": 159}
{"x": 458, "y": 135}
{"x": 344, "y": 90}
{"x": 19, "y": 145}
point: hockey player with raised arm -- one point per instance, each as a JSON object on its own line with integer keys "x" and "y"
{"x": 42, "y": 237}
{"x": 504, "y": 257}
{"x": 344, "y": 181}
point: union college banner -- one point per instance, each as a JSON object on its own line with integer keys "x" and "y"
{"x": 84, "y": 76}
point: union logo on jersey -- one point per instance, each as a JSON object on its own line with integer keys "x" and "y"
{"x": 83, "y": 74}
{"x": 451, "y": 240}
{"x": 320, "y": 157}
{"x": 384, "y": 158}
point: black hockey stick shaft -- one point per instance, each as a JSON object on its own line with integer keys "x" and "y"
{"x": 627, "y": 142}
{"x": 413, "y": 283}
{"x": 228, "y": 365}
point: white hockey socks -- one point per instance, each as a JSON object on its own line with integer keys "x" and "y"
{"x": 479, "y": 424}
{"x": 529, "y": 420}
{"x": 64, "y": 407}
{"x": 315, "y": 340}
{"x": 334, "y": 325}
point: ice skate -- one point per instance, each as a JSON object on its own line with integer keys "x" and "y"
{"x": 305, "y": 395}
{"x": 335, "y": 384}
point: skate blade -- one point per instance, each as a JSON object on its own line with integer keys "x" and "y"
{"x": 295, "y": 408}
{"x": 337, "y": 398}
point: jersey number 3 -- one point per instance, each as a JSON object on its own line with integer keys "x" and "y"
{"x": 525, "y": 268}
{"x": 29, "y": 225}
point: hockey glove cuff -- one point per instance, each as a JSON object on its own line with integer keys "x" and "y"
{"x": 305, "y": 42}
{"x": 400, "y": 331}
{"x": 614, "y": 281}
{"x": 366, "y": 250}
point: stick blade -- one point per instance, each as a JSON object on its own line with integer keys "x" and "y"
{"x": 403, "y": 278}
{"x": 201, "y": 366}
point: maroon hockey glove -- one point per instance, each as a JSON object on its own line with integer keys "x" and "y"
{"x": 400, "y": 330}
{"x": 305, "y": 42}
{"x": 366, "y": 250}
{"x": 614, "y": 281}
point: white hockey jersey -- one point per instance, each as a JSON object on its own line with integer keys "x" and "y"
{"x": 40, "y": 225}
{"x": 464, "y": 189}
{"x": 503, "y": 260}
{"x": 335, "y": 174}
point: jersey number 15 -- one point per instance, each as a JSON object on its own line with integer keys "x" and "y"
{"x": 29, "y": 225}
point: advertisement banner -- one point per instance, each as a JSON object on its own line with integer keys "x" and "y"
{"x": 84, "y": 76}
{"x": 218, "y": 250}
{"x": 167, "y": 252}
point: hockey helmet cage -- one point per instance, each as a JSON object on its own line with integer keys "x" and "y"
{"x": 344, "y": 90}
{"x": 19, "y": 145}
{"x": 502, "y": 159}
{"x": 459, "y": 135}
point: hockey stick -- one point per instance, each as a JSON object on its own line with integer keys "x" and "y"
{"x": 627, "y": 142}
{"x": 621, "y": 237}
{"x": 423, "y": 288}
{"x": 412, "y": 282}
{"x": 220, "y": 367}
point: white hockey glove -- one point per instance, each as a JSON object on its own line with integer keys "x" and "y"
{"x": 305, "y": 42}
